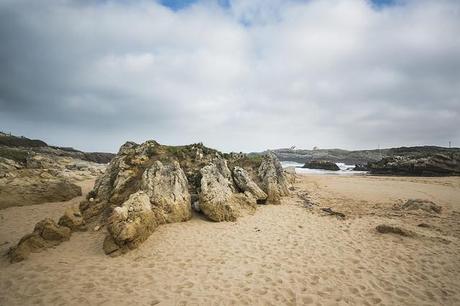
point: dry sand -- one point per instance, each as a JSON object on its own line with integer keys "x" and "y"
{"x": 282, "y": 255}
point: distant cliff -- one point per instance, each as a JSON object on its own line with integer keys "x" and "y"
{"x": 18, "y": 148}
{"x": 359, "y": 156}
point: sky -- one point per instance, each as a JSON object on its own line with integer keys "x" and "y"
{"x": 237, "y": 75}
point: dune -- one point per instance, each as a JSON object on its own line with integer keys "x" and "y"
{"x": 288, "y": 254}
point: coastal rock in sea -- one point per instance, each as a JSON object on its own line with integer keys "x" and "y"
{"x": 244, "y": 183}
{"x": 167, "y": 188}
{"x": 130, "y": 224}
{"x": 425, "y": 205}
{"x": 425, "y": 165}
{"x": 361, "y": 167}
{"x": 46, "y": 234}
{"x": 321, "y": 164}
{"x": 217, "y": 198}
{"x": 73, "y": 219}
{"x": 273, "y": 179}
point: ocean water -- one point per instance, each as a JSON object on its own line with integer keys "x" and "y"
{"x": 344, "y": 169}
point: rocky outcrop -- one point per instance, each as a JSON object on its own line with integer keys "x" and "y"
{"x": 321, "y": 164}
{"x": 73, "y": 219}
{"x": 167, "y": 188}
{"x": 246, "y": 185}
{"x": 147, "y": 185}
{"x": 130, "y": 224}
{"x": 432, "y": 165}
{"x": 218, "y": 199}
{"x": 46, "y": 234}
{"x": 273, "y": 179}
{"x": 361, "y": 167}
{"x": 34, "y": 187}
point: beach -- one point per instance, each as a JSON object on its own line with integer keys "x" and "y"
{"x": 288, "y": 254}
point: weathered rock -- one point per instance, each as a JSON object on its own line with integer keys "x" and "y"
{"x": 244, "y": 183}
{"x": 131, "y": 224}
{"x": 274, "y": 181}
{"x": 361, "y": 167}
{"x": 73, "y": 219}
{"x": 46, "y": 234}
{"x": 428, "y": 206}
{"x": 49, "y": 230}
{"x": 217, "y": 198}
{"x": 30, "y": 187}
{"x": 321, "y": 164}
{"x": 391, "y": 229}
{"x": 167, "y": 188}
{"x": 431, "y": 165}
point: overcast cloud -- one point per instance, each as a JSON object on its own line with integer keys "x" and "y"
{"x": 245, "y": 76}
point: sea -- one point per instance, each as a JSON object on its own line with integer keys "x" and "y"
{"x": 344, "y": 169}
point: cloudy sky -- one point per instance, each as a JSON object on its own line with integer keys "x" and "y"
{"x": 238, "y": 75}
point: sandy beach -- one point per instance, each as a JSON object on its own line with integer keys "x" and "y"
{"x": 289, "y": 254}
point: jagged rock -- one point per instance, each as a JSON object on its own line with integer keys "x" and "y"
{"x": 274, "y": 181}
{"x": 361, "y": 167}
{"x": 432, "y": 165}
{"x": 46, "y": 234}
{"x": 73, "y": 219}
{"x": 321, "y": 164}
{"x": 244, "y": 183}
{"x": 217, "y": 198}
{"x": 167, "y": 188}
{"x": 130, "y": 224}
{"x": 428, "y": 206}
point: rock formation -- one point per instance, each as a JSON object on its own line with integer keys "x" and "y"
{"x": 425, "y": 165}
{"x": 218, "y": 199}
{"x": 245, "y": 184}
{"x": 46, "y": 234}
{"x": 273, "y": 178}
{"x": 147, "y": 185}
{"x": 321, "y": 164}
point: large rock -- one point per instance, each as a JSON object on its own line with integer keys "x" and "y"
{"x": 322, "y": 165}
{"x": 28, "y": 187}
{"x": 431, "y": 165}
{"x": 46, "y": 234}
{"x": 274, "y": 180}
{"x": 167, "y": 188}
{"x": 244, "y": 183}
{"x": 130, "y": 224}
{"x": 73, "y": 219}
{"x": 217, "y": 198}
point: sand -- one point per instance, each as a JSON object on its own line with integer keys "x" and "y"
{"x": 281, "y": 255}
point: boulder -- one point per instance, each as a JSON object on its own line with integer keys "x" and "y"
{"x": 425, "y": 205}
{"x": 321, "y": 164}
{"x": 167, "y": 188}
{"x": 245, "y": 184}
{"x": 73, "y": 219}
{"x": 361, "y": 167}
{"x": 130, "y": 224}
{"x": 273, "y": 179}
{"x": 217, "y": 198}
{"x": 46, "y": 234}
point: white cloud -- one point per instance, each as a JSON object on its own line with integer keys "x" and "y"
{"x": 259, "y": 74}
